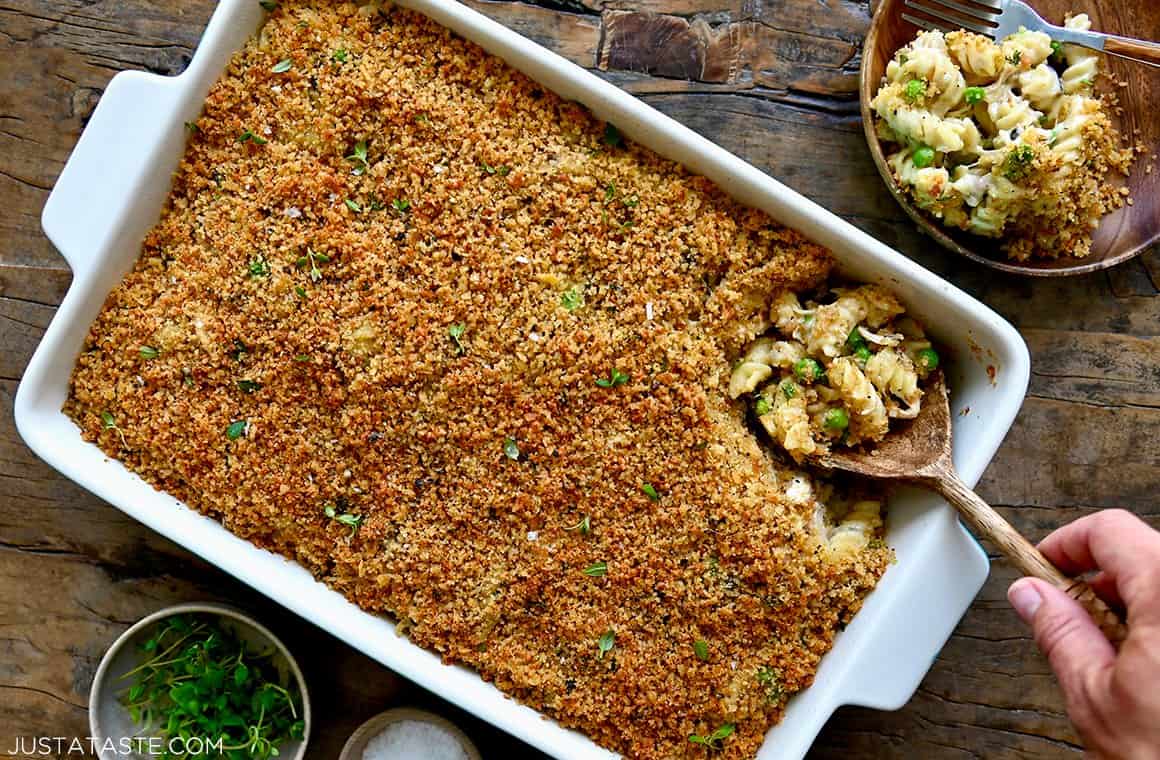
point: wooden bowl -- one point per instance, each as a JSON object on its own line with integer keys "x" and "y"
{"x": 1121, "y": 234}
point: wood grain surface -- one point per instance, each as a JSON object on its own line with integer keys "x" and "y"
{"x": 774, "y": 81}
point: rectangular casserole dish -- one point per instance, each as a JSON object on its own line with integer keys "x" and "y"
{"x": 113, "y": 188}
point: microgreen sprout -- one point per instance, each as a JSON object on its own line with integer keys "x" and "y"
{"x": 250, "y": 136}
{"x": 401, "y": 205}
{"x": 605, "y": 643}
{"x": 352, "y": 521}
{"x": 312, "y": 259}
{"x": 714, "y": 740}
{"x": 249, "y": 386}
{"x": 359, "y": 156}
{"x": 596, "y": 570}
{"x": 237, "y": 429}
{"x": 583, "y": 525}
{"x": 455, "y": 332}
{"x": 108, "y": 422}
{"x": 573, "y": 298}
{"x": 149, "y": 352}
{"x": 650, "y": 492}
{"x": 701, "y": 649}
{"x": 353, "y": 206}
{"x": 282, "y": 66}
{"x": 200, "y": 677}
{"x": 615, "y": 378}
{"x": 502, "y": 170}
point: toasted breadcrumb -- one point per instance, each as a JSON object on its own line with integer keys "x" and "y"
{"x": 369, "y": 320}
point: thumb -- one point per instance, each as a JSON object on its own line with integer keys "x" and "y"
{"x": 1075, "y": 647}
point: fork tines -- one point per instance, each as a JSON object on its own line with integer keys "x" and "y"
{"x": 948, "y": 15}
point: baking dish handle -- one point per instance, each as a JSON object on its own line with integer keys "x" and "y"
{"x": 114, "y": 182}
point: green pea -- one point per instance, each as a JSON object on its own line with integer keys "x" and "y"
{"x": 928, "y": 359}
{"x": 807, "y": 369}
{"x": 923, "y": 156}
{"x": 863, "y": 354}
{"x": 855, "y": 340}
{"x": 835, "y": 419}
{"x": 762, "y": 406}
{"x": 973, "y": 94}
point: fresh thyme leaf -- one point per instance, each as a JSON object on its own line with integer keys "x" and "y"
{"x": 584, "y": 526}
{"x": 511, "y": 449}
{"x": 282, "y": 66}
{"x": 650, "y": 492}
{"x": 1015, "y": 57}
{"x": 615, "y": 378}
{"x": 149, "y": 352}
{"x": 236, "y": 429}
{"x": 359, "y": 156}
{"x": 455, "y": 332}
{"x": 701, "y": 649}
{"x": 605, "y": 643}
{"x": 596, "y": 569}
{"x": 572, "y": 298}
{"x": 249, "y": 136}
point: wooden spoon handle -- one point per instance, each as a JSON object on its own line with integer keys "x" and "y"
{"x": 989, "y": 524}
{"x": 1139, "y": 50}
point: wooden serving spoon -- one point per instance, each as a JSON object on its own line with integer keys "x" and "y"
{"x": 921, "y": 454}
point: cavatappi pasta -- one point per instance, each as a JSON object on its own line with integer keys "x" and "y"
{"x": 1005, "y": 140}
{"x": 835, "y": 370}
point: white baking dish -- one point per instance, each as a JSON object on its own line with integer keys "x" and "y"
{"x": 111, "y": 192}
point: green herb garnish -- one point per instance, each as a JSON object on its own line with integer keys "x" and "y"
{"x": 354, "y": 522}
{"x": 249, "y": 386}
{"x": 269, "y": 5}
{"x": 511, "y": 449}
{"x": 1015, "y": 57}
{"x": 605, "y": 643}
{"x": 312, "y": 259}
{"x": 650, "y": 492}
{"x": 863, "y": 354}
{"x": 108, "y": 422}
{"x": 340, "y": 56}
{"x": 282, "y": 66}
{"x": 584, "y": 525}
{"x": 788, "y": 388}
{"x": 455, "y": 332}
{"x": 573, "y": 298}
{"x": 201, "y": 679}
{"x": 149, "y": 352}
{"x": 258, "y": 266}
{"x": 402, "y": 205}
{"x": 714, "y": 740}
{"x": 353, "y": 206}
{"x": 761, "y": 406}
{"x": 596, "y": 570}
{"x": 249, "y": 136}
{"x": 502, "y": 170}
{"x": 615, "y": 378}
{"x": 237, "y": 429}
{"x": 770, "y": 681}
{"x": 359, "y": 156}
{"x": 701, "y": 649}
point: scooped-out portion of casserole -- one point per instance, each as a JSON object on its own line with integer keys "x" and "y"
{"x": 462, "y": 351}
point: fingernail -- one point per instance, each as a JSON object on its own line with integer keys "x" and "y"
{"x": 1025, "y": 598}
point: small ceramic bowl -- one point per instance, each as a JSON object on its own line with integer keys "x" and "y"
{"x": 1124, "y": 233}
{"x": 109, "y": 721}
{"x": 357, "y": 743}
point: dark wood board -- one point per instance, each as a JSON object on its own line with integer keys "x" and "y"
{"x": 773, "y": 81}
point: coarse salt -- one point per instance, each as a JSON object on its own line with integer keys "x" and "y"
{"x": 293, "y": 212}
{"x": 522, "y": 259}
{"x": 648, "y": 312}
{"x": 533, "y": 535}
{"x": 414, "y": 740}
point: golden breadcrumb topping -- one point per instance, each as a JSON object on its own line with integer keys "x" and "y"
{"x": 459, "y": 349}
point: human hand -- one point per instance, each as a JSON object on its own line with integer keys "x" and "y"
{"x": 1112, "y": 698}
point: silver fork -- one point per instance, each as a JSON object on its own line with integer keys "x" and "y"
{"x": 1000, "y": 18}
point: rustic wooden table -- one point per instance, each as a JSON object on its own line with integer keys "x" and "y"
{"x": 773, "y": 81}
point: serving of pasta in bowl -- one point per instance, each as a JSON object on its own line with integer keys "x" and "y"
{"x": 1022, "y": 153}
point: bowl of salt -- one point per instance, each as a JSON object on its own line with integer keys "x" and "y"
{"x": 405, "y": 733}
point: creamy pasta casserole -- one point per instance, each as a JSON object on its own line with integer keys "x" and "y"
{"x": 462, "y": 351}
{"x": 1005, "y": 140}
